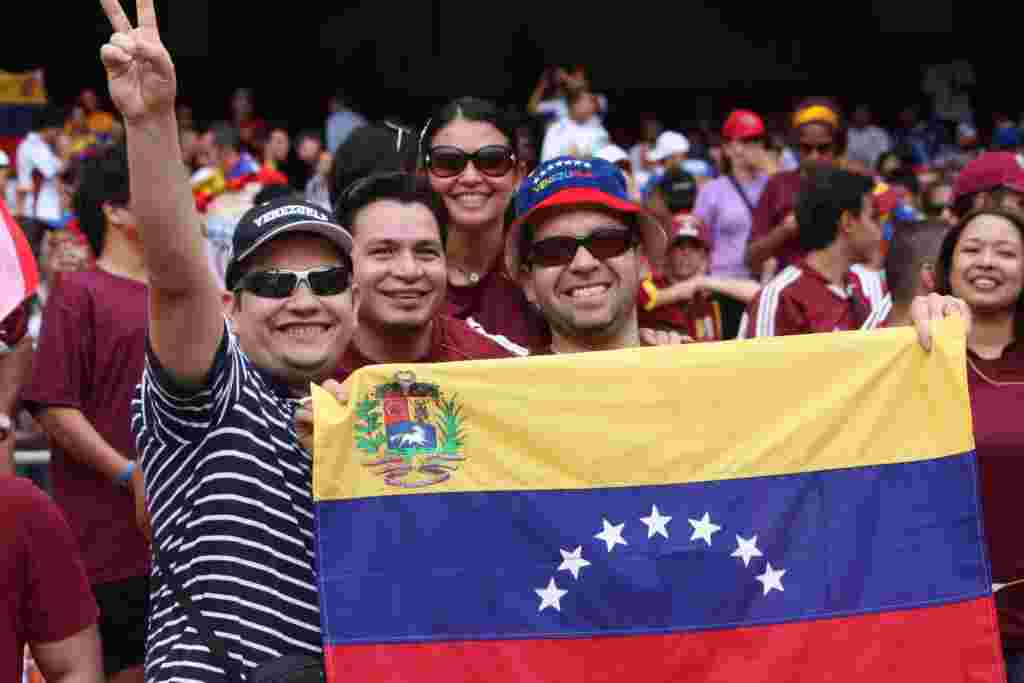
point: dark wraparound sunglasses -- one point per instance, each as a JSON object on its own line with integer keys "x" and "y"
{"x": 280, "y": 284}
{"x": 493, "y": 160}
{"x": 603, "y": 244}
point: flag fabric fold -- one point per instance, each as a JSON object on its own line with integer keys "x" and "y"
{"x": 800, "y": 508}
{"x": 19, "y": 274}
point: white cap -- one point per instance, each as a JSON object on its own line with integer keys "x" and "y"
{"x": 613, "y": 154}
{"x": 670, "y": 142}
{"x": 4, "y": 159}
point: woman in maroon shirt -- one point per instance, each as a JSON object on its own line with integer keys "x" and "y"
{"x": 468, "y": 151}
{"x": 982, "y": 262}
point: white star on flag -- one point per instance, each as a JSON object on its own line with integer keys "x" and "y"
{"x": 771, "y": 579}
{"x": 656, "y": 523}
{"x": 612, "y": 535}
{"x": 703, "y": 528}
{"x": 550, "y": 596}
{"x": 573, "y": 562}
{"x": 746, "y": 549}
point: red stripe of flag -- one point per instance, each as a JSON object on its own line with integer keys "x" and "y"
{"x": 956, "y": 642}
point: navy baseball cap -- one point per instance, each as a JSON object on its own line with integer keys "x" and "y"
{"x": 569, "y": 181}
{"x": 280, "y": 216}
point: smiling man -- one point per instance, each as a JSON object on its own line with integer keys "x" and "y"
{"x": 401, "y": 274}
{"x": 228, "y": 487}
{"x": 577, "y": 248}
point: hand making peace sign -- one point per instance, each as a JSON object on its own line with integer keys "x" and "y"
{"x": 140, "y": 72}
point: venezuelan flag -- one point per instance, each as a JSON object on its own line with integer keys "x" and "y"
{"x": 785, "y": 509}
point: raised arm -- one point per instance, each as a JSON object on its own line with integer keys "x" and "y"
{"x": 186, "y": 319}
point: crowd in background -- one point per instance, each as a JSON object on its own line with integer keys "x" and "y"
{"x": 764, "y": 235}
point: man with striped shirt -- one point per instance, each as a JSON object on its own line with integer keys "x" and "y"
{"x": 228, "y": 487}
{"x": 829, "y": 290}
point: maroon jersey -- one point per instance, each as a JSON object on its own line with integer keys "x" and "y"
{"x": 799, "y": 300}
{"x": 700, "y": 318}
{"x": 44, "y": 594}
{"x": 777, "y": 200}
{"x": 450, "y": 340}
{"x": 91, "y": 354}
{"x": 997, "y": 394}
{"x": 498, "y": 306}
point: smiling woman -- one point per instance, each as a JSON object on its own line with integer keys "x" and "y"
{"x": 467, "y": 148}
{"x": 982, "y": 262}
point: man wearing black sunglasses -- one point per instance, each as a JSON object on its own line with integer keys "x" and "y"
{"x": 578, "y": 248}
{"x": 228, "y": 486}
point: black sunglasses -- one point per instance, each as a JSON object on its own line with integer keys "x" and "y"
{"x": 603, "y": 244}
{"x": 492, "y": 160}
{"x": 823, "y": 148}
{"x": 280, "y": 284}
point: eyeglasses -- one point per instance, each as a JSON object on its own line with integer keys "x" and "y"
{"x": 602, "y": 243}
{"x": 280, "y": 284}
{"x": 492, "y": 160}
{"x": 824, "y": 148}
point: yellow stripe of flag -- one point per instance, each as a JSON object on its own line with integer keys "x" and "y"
{"x": 644, "y": 416}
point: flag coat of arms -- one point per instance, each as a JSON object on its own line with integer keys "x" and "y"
{"x": 787, "y": 509}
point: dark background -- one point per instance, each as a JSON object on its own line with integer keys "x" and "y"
{"x": 682, "y": 60}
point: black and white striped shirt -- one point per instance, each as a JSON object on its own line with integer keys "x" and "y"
{"x": 229, "y": 493}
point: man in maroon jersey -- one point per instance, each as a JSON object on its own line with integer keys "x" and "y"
{"x": 397, "y": 223}
{"x": 838, "y": 229}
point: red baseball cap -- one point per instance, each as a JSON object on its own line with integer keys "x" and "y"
{"x": 688, "y": 226}
{"x": 741, "y": 124}
{"x": 989, "y": 171}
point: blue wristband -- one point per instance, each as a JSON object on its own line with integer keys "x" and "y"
{"x": 126, "y": 474}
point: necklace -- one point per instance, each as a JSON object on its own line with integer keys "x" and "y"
{"x": 473, "y": 277}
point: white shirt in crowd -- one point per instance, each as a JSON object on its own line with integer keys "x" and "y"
{"x": 568, "y": 138}
{"x": 35, "y": 155}
{"x": 867, "y": 144}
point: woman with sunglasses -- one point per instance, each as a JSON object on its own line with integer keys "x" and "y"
{"x": 469, "y": 156}
{"x": 819, "y": 134}
{"x": 982, "y": 262}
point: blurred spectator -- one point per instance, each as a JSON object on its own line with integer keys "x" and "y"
{"x": 578, "y": 134}
{"x": 1006, "y": 136}
{"x": 317, "y": 190}
{"x": 915, "y": 135}
{"x": 616, "y": 155}
{"x": 76, "y": 128}
{"x": 896, "y": 167}
{"x": 45, "y": 601}
{"x": 40, "y": 157}
{"x": 186, "y": 119}
{"x": 243, "y": 115}
{"x": 967, "y": 147}
{"x": 673, "y": 195}
{"x": 982, "y": 262}
{"x": 937, "y": 201}
{"x": 90, "y": 356}
{"x": 370, "y": 149}
{"x": 275, "y": 151}
{"x": 306, "y": 147}
{"x": 949, "y": 86}
{"x": 8, "y": 186}
{"x": 726, "y": 204}
{"x": 643, "y": 167}
{"x": 866, "y": 141}
{"x": 911, "y": 265}
{"x": 341, "y": 121}
{"x": 557, "y": 85}
{"x": 838, "y": 228}
{"x": 97, "y": 120}
{"x": 992, "y": 180}
{"x": 670, "y": 150}
{"x": 529, "y": 135}
{"x": 819, "y": 134}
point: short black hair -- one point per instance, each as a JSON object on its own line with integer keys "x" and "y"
{"x": 913, "y": 245}
{"x": 378, "y": 148}
{"x": 102, "y": 179}
{"x": 49, "y": 116}
{"x": 401, "y": 187}
{"x": 826, "y": 194}
{"x": 226, "y": 136}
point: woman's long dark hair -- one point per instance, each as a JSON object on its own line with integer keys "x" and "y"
{"x": 945, "y": 267}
